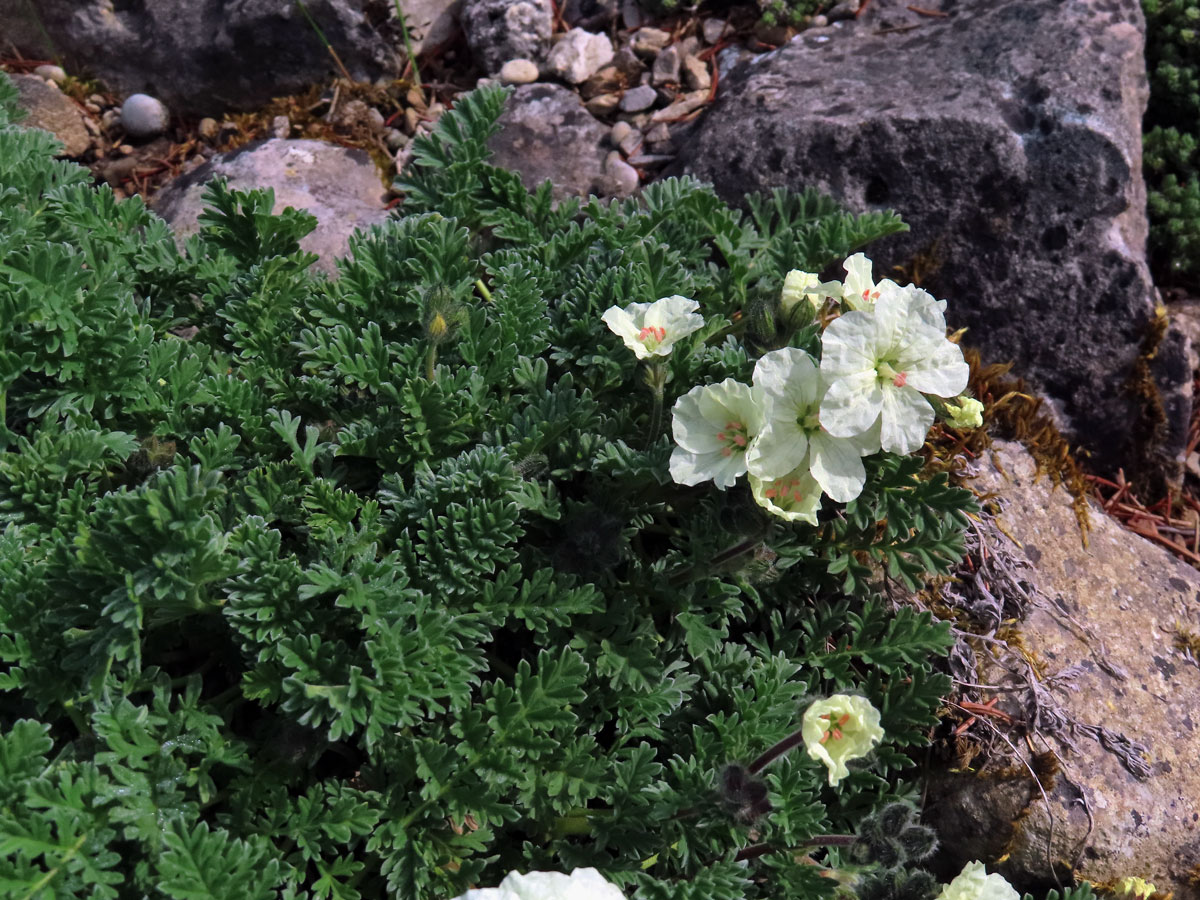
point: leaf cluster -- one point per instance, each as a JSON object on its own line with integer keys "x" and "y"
{"x": 377, "y": 585}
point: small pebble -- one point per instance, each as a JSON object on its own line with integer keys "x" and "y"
{"x": 124, "y": 149}
{"x": 639, "y": 98}
{"x": 281, "y": 127}
{"x": 696, "y": 75}
{"x": 208, "y": 128}
{"x": 713, "y": 30}
{"x": 485, "y": 81}
{"x": 110, "y": 119}
{"x": 620, "y": 131}
{"x": 666, "y": 67}
{"x": 519, "y": 71}
{"x": 648, "y": 41}
{"x": 579, "y": 55}
{"x": 51, "y": 73}
{"x": 624, "y": 176}
{"x": 818, "y": 21}
{"x": 375, "y": 119}
{"x": 631, "y": 143}
{"x": 98, "y": 99}
{"x": 412, "y": 119}
{"x": 142, "y": 116}
{"x": 435, "y": 110}
{"x": 396, "y": 139}
{"x": 603, "y": 105}
{"x": 658, "y": 133}
{"x": 93, "y": 108}
{"x": 846, "y": 9}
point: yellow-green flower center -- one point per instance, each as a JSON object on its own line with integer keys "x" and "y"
{"x": 834, "y": 731}
{"x": 887, "y": 372}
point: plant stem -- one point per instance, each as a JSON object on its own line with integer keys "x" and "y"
{"x": 482, "y": 288}
{"x": 430, "y": 360}
{"x": 821, "y": 840}
{"x": 49, "y": 876}
{"x": 656, "y": 380}
{"x": 324, "y": 40}
{"x": 412, "y": 57}
{"x": 795, "y": 739}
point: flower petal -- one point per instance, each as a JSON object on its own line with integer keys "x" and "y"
{"x": 776, "y": 451}
{"x": 837, "y": 465}
{"x": 852, "y": 404}
{"x": 905, "y": 418}
{"x": 943, "y": 372}
{"x": 848, "y": 346}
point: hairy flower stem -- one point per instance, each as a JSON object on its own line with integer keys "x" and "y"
{"x": 795, "y": 739}
{"x": 656, "y": 380}
{"x": 430, "y": 362}
{"x": 483, "y": 291}
{"x": 821, "y": 840}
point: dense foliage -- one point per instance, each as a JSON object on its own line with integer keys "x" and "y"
{"x": 1172, "y": 154}
{"x": 378, "y": 585}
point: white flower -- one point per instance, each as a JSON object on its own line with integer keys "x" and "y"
{"x": 879, "y": 363}
{"x": 792, "y": 438}
{"x": 582, "y": 884}
{"x": 860, "y": 290}
{"x": 795, "y": 496}
{"x": 964, "y": 412}
{"x": 713, "y": 427}
{"x": 651, "y": 329}
{"x": 839, "y": 728}
{"x": 974, "y": 883}
{"x": 799, "y": 286}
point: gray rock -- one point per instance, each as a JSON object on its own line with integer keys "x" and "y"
{"x": 431, "y": 23}
{"x": 579, "y": 55}
{"x": 639, "y": 98}
{"x": 632, "y": 14}
{"x": 666, "y": 67}
{"x": 51, "y": 73}
{"x": 683, "y": 105}
{"x": 519, "y": 71}
{"x": 1008, "y": 136}
{"x": 51, "y": 110}
{"x": 281, "y": 127}
{"x": 546, "y": 134}
{"x": 500, "y": 30}
{"x": 211, "y": 56}
{"x": 1092, "y": 673}
{"x": 631, "y": 142}
{"x": 846, "y": 9}
{"x": 143, "y": 116}
{"x": 590, "y": 14}
{"x": 341, "y": 187}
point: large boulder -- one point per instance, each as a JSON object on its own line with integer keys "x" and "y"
{"x": 1095, "y": 675}
{"x": 1007, "y": 133}
{"x": 48, "y": 108}
{"x": 341, "y": 187}
{"x": 547, "y": 134}
{"x": 209, "y": 56}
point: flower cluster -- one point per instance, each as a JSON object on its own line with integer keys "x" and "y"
{"x": 801, "y": 430}
{"x": 581, "y": 884}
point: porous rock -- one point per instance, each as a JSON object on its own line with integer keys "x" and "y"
{"x": 546, "y": 133}
{"x": 1008, "y": 136}
{"x": 579, "y": 55}
{"x": 210, "y": 56}
{"x": 1118, "y": 702}
{"x": 340, "y": 186}
{"x": 51, "y": 110}
{"x": 500, "y": 30}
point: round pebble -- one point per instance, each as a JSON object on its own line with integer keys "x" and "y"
{"x": 638, "y": 98}
{"x": 51, "y": 73}
{"x": 624, "y": 176}
{"x": 818, "y": 21}
{"x": 142, "y": 116}
{"x": 620, "y": 131}
{"x": 208, "y": 128}
{"x": 519, "y": 71}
